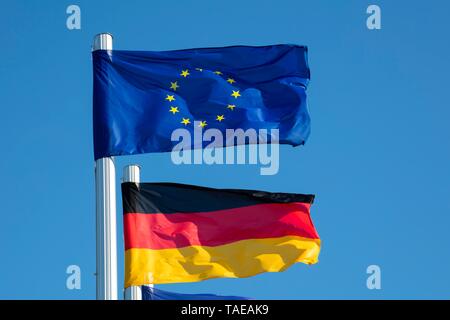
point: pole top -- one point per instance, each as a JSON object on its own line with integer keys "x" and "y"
{"x": 102, "y": 41}
{"x": 133, "y": 165}
{"x": 131, "y": 173}
{"x": 104, "y": 33}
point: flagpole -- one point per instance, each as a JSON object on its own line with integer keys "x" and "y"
{"x": 131, "y": 173}
{"x": 105, "y": 190}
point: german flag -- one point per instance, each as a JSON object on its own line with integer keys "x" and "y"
{"x": 184, "y": 233}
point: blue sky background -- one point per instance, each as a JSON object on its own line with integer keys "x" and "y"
{"x": 378, "y": 158}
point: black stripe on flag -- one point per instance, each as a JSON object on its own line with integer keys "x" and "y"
{"x": 183, "y": 198}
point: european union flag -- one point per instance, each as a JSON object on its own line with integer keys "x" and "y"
{"x": 151, "y": 293}
{"x": 141, "y": 97}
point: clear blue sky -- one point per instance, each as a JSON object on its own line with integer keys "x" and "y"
{"x": 378, "y": 157}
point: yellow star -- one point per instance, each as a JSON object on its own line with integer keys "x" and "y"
{"x": 231, "y": 81}
{"x": 199, "y": 69}
{"x": 202, "y": 124}
{"x": 170, "y": 97}
{"x": 185, "y": 73}
{"x": 220, "y": 118}
{"x": 174, "y": 85}
{"x": 231, "y": 107}
{"x": 185, "y": 121}
{"x": 174, "y": 110}
{"x": 218, "y": 72}
{"x": 236, "y": 94}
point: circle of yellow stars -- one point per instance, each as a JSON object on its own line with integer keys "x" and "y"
{"x": 174, "y": 86}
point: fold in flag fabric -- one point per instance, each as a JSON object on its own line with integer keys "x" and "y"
{"x": 141, "y": 97}
{"x": 185, "y": 233}
{"x": 149, "y": 293}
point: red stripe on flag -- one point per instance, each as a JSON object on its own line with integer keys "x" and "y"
{"x": 177, "y": 230}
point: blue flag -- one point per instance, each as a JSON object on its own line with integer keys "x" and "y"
{"x": 141, "y": 97}
{"x": 149, "y": 293}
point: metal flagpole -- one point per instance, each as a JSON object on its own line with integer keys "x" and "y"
{"x": 105, "y": 189}
{"x": 131, "y": 173}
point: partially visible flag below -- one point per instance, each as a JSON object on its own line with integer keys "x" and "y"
{"x": 152, "y": 293}
{"x": 141, "y": 97}
{"x": 185, "y": 233}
